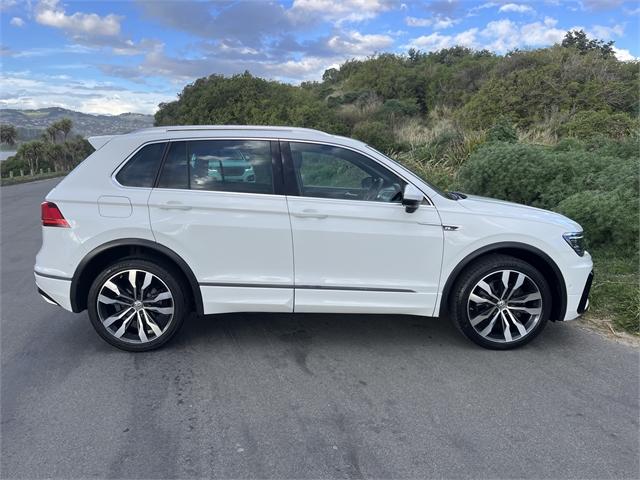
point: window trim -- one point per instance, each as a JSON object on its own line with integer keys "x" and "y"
{"x": 127, "y": 159}
{"x": 278, "y": 177}
{"x": 290, "y": 176}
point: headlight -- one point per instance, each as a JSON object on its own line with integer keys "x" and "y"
{"x": 575, "y": 241}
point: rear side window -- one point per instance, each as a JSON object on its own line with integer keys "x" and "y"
{"x": 175, "y": 171}
{"x": 141, "y": 170}
{"x": 219, "y": 165}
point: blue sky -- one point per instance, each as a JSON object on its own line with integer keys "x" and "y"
{"x": 121, "y": 56}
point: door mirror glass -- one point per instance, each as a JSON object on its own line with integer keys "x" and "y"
{"x": 411, "y": 198}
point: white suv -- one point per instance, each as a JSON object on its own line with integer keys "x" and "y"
{"x": 145, "y": 230}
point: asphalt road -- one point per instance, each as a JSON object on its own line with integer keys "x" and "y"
{"x": 299, "y": 396}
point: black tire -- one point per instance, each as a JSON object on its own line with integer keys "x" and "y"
{"x": 166, "y": 275}
{"x": 459, "y": 301}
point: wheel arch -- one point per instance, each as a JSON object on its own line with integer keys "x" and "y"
{"x": 527, "y": 253}
{"x": 107, "y": 253}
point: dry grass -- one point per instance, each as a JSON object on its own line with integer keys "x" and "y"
{"x": 360, "y": 110}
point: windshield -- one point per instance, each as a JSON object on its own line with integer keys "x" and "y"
{"x": 433, "y": 187}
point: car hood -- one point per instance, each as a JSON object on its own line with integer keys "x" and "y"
{"x": 501, "y": 208}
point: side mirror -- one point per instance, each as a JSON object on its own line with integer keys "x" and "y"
{"x": 411, "y": 198}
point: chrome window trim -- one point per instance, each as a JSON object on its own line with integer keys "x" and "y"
{"x": 400, "y": 174}
{"x": 150, "y": 142}
{"x": 397, "y": 174}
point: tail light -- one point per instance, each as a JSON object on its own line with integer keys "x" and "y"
{"x": 52, "y": 216}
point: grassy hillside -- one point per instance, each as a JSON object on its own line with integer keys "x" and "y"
{"x": 556, "y": 128}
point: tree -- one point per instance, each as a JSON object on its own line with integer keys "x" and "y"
{"x": 65, "y": 125}
{"x": 31, "y": 152}
{"x": 8, "y": 134}
{"x": 51, "y": 133}
{"x": 578, "y": 39}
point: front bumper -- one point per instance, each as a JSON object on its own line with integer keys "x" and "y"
{"x": 583, "y": 306}
{"x": 578, "y": 303}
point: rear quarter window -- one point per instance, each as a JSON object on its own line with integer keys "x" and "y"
{"x": 141, "y": 169}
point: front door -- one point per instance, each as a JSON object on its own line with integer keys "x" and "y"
{"x": 356, "y": 249}
{"x": 215, "y": 206}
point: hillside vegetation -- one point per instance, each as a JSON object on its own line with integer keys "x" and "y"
{"x": 555, "y": 128}
{"x": 57, "y": 150}
{"x": 30, "y": 124}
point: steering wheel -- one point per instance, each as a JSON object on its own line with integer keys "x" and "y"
{"x": 374, "y": 189}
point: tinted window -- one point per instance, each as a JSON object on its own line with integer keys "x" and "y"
{"x": 332, "y": 172}
{"x": 175, "y": 172}
{"x": 141, "y": 170}
{"x": 219, "y": 165}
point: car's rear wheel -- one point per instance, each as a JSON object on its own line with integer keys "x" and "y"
{"x": 501, "y": 302}
{"x": 136, "y": 304}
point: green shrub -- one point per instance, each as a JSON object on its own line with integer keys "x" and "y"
{"x": 537, "y": 175}
{"x": 502, "y": 131}
{"x": 608, "y": 218}
{"x": 376, "y": 134}
{"x": 13, "y": 164}
{"x": 589, "y": 123}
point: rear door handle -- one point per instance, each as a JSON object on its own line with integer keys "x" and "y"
{"x": 174, "y": 206}
{"x": 310, "y": 214}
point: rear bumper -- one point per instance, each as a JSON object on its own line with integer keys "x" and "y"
{"x": 56, "y": 290}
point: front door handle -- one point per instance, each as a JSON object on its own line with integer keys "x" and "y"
{"x": 310, "y": 214}
{"x": 174, "y": 206}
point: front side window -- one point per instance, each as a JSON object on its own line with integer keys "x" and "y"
{"x": 141, "y": 170}
{"x": 326, "y": 171}
{"x": 219, "y": 165}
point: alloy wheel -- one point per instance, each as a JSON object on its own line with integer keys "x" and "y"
{"x": 135, "y": 306}
{"x": 504, "y": 306}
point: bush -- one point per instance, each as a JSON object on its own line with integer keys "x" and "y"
{"x": 13, "y": 164}
{"x": 537, "y": 175}
{"x": 376, "y": 134}
{"x": 502, "y": 131}
{"x": 588, "y": 124}
{"x": 608, "y": 218}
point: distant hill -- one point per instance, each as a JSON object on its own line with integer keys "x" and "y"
{"x": 31, "y": 123}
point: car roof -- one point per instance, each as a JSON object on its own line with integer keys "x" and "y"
{"x": 228, "y": 131}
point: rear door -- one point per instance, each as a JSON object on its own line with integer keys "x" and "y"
{"x": 356, "y": 249}
{"x": 215, "y": 205}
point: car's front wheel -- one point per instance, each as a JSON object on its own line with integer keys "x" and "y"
{"x": 136, "y": 304}
{"x": 500, "y": 302}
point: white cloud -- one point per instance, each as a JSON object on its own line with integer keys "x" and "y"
{"x": 17, "y": 22}
{"x": 498, "y": 36}
{"x": 516, "y": 8}
{"x": 606, "y": 33}
{"x": 340, "y": 11}
{"x": 444, "y": 22}
{"x": 418, "y": 22}
{"x": 624, "y": 55}
{"x": 7, "y": 4}
{"x": 437, "y": 41}
{"x": 356, "y": 43}
{"x": 25, "y": 90}
{"x": 504, "y": 35}
{"x": 48, "y": 51}
{"x": 52, "y": 14}
{"x": 438, "y": 23}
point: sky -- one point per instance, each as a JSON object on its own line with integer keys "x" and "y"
{"x": 111, "y": 57}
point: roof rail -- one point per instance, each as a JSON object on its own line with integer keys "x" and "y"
{"x": 181, "y": 128}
